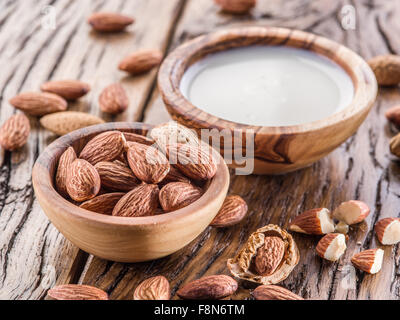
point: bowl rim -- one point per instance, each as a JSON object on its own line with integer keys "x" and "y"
{"x": 44, "y": 187}
{"x": 177, "y": 62}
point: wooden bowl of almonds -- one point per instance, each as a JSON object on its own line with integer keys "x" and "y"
{"x": 114, "y": 191}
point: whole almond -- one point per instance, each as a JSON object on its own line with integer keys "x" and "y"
{"x": 147, "y": 163}
{"x": 233, "y": 210}
{"x": 38, "y": 103}
{"x": 77, "y": 292}
{"x": 83, "y": 181}
{"x": 14, "y": 132}
{"x": 64, "y": 163}
{"x": 134, "y": 137}
{"x": 106, "y": 146}
{"x": 386, "y": 69}
{"x": 177, "y": 195}
{"x": 155, "y": 288}
{"x": 269, "y": 256}
{"x": 109, "y": 21}
{"x": 113, "y": 99}
{"x": 236, "y": 6}
{"x": 393, "y": 115}
{"x": 395, "y": 145}
{"x": 68, "y": 89}
{"x": 196, "y": 162}
{"x": 210, "y": 287}
{"x": 65, "y": 122}
{"x": 141, "y": 201}
{"x": 174, "y": 175}
{"x": 115, "y": 176}
{"x": 141, "y": 61}
{"x": 272, "y": 292}
{"x": 103, "y": 203}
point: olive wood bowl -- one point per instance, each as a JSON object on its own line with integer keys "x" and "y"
{"x": 123, "y": 239}
{"x": 276, "y": 149}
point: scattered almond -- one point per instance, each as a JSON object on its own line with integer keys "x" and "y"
{"x": 315, "y": 221}
{"x": 115, "y": 176}
{"x": 14, "y": 132}
{"x": 233, "y": 210}
{"x": 68, "y": 89}
{"x": 386, "y": 69}
{"x": 210, "y": 287}
{"x": 236, "y": 6}
{"x": 269, "y": 256}
{"x": 272, "y": 292}
{"x": 395, "y": 145}
{"x": 141, "y": 61}
{"x": 64, "y": 163}
{"x": 177, "y": 195}
{"x": 65, "y": 122}
{"x": 369, "y": 261}
{"x": 332, "y": 246}
{"x": 103, "y": 203}
{"x": 113, "y": 99}
{"x": 388, "y": 230}
{"x": 351, "y": 212}
{"x": 77, "y": 292}
{"x": 155, "y": 288}
{"x": 109, "y": 22}
{"x": 38, "y": 103}
{"x": 393, "y": 115}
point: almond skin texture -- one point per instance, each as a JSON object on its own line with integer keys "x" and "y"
{"x": 83, "y": 181}
{"x": 395, "y": 145}
{"x": 14, "y": 133}
{"x": 196, "y": 162}
{"x": 393, "y": 115}
{"x": 141, "y": 201}
{"x": 141, "y": 61}
{"x": 77, "y": 292}
{"x": 155, "y": 288}
{"x": 115, "y": 176}
{"x": 388, "y": 231}
{"x": 106, "y": 146}
{"x": 133, "y": 137}
{"x": 272, "y": 292}
{"x": 109, "y": 21}
{"x": 64, "y": 163}
{"x": 315, "y": 221}
{"x": 103, "y": 203}
{"x": 174, "y": 175}
{"x": 210, "y": 287}
{"x": 386, "y": 69}
{"x": 233, "y": 211}
{"x": 236, "y": 6}
{"x": 177, "y": 195}
{"x": 269, "y": 256}
{"x": 38, "y": 103}
{"x": 68, "y": 89}
{"x": 332, "y": 246}
{"x": 147, "y": 163}
{"x": 65, "y": 122}
{"x": 369, "y": 261}
{"x": 113, "y": 99}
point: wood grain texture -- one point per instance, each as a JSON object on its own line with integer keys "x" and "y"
{"x": 361, "y": 168}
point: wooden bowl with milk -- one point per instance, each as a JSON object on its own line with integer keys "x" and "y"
{"x": 291, "y": 97}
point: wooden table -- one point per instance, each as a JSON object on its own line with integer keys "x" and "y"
{"x": 34, "y": 255}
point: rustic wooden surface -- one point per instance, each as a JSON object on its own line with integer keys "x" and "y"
{"x": 33, "y": 255}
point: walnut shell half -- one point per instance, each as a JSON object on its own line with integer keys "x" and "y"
{"x": 242, "y": 265}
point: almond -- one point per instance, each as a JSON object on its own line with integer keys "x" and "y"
{"x": 233, "y": 211}
{"x": 332, "y": 246}
{"x": 133, "y": 137}
{"x": 174, "y": 175}
{"x": 106, "y": 146}
{"x": 38, "y": 103}
{"x": 115, "y": 176}
{"x": 103, "y": 203}
{"x": 395, "y": 145}
{"x": 77, "y": 292}
{"x": 342, "y": 227}
{"x": 236, "y": 6}
{"x": 83, "y": 181}
{"x": 269, "y": 256}
{"x": 14, "y": 132}
{"x": 196, "y": 162}
{"x": 65, "y": 122}
{"x": 141, "y": 201}
{"x": 369, "y": 261}
{"x": 155, "y": 288}
{"x": 147, "y": 163}
{"x": 351, "y": 212}
{"x": 272, "y": 292}
{"x": 141, "y": 61}
{"x": 388, "y": 230}
{"x": 393, "y": 115}
{"x": 113, "y": 99}
{"x": 109, "y": 21}
{"x": 315, "y": 221}
{"x": 210, "y": 287}
{"x": 177, "y": 195}
{"x": 68, "y": 89}
{"x": 64, "y": 163}
{"x": 386, "y": 69}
